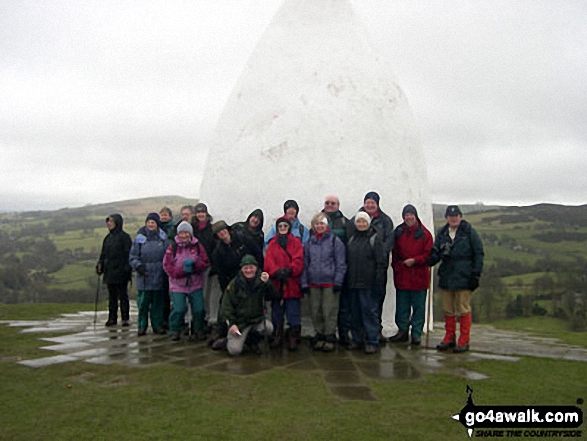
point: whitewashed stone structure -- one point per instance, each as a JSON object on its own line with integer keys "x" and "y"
{"x": 316, "y": 111}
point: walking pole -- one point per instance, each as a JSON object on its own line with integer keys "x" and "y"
{"x": 429, "y": 292}
{"x": 96, "y": 302}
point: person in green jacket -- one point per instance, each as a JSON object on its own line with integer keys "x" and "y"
{"x": 459, "y": 248}
{"x": 243, "y": 307}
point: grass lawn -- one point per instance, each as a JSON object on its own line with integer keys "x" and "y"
{"x": 83, "y": 401}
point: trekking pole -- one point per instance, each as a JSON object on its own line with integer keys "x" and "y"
{"x": 430, "y": 315}
{"x": 96, "y": 302}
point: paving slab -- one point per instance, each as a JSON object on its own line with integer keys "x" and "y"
{"x": 347, "y": 374}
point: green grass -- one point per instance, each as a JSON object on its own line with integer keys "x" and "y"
{"x": 73, "y": 276}
{"x": 544, "y": 327}
{"x": 170, "y": 402}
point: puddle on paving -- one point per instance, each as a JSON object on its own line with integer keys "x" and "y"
{"x": 333, "y": 364}
{"x": 395, "y": 370}
{"x": 241, "y": 365}
{"x": 362, "y": 393}
{"x": 342, "y": 377}
{"x": 67, "y": 347}
{"x": 47, "y": 361}
{"x": 469, "y": 375}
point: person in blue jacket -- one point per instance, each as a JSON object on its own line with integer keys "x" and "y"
{"x": 322, "y": 279}
{"x": 146, "y": 258}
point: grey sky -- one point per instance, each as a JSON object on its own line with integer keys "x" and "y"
{"x": 109, "y": 100}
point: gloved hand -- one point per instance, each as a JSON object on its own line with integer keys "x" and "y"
{"x": 337, "y": 288}
{"x": 142, "y": 270}
{"x": 99, "y": 269}
{"x": 474, "y": 282}
{"x": 188, "y": 266}
{"x": 305, "y": 290}
{"x": 282, "y": 274}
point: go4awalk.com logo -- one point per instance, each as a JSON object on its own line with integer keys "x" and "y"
{"x": 518, "y": 421}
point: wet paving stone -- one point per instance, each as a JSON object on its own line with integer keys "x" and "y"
{"x": 47, "y": 361}
{"x": 389, "y": 370}
{"x": 342, "y": 377}
{"x": 346, "y": 373}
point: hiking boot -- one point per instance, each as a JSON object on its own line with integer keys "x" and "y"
{"x": 400, "y": 337}
{"x": 110, "y": 323}
{"x": 352, "y": 346}
{"x": 142, "y": 332}
{"x": 219, "y": 344}
{"x": 294, "y": 335}
{"x": 328, "y": 346}
{"x": 416, "y": 342}
{"x": 175, "y": 336}
{"x": 448, "y": 342}
{"x": 371, "y": 349}
{"x": 125, "y": 323}
{"x": 159, "y": 331}
{"x": 255, "y": 349}
{"x": 319, "y": 345}
{"x": 461, "y": 349}
{"x": 277, "y": 338}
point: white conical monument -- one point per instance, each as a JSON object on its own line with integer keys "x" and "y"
{"x": 315, "y": 112}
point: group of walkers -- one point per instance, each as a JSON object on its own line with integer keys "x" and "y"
{"x": 230, "y": 274}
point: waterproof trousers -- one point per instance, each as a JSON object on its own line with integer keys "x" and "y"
{"x": 324, "y": 310}
{"x": 410, "y": 303}
{"x": 291, "y": 308}
{"x": 118, "y": 292}
{"x": 365, "y": 312}
{"x": 177, "y": 316}
{"x": 150, "y": 303}
{"x": 235, "y": 343}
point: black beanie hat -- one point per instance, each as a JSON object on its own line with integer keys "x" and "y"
{"x": 282, "y": 220}
{"x": 372, "y": 195}
{"x": 409, "y": 209}
{"x": 154, "y": 217}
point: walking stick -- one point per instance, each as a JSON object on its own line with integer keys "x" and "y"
{"x": 430, "y": 315}
{"x": 96, "y": 302}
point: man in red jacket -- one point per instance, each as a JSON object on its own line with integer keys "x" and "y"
{"x": 411, "y": 275}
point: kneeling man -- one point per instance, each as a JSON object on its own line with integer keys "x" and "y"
{"x": 243, "y": 307}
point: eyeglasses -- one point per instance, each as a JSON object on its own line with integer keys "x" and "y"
{"x": 329, "y": 203}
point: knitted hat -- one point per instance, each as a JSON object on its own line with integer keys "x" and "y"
{"x": 282, "y": 220}
{"x": 185, "y": 226}
{"x": 453, "y": 210}
{"x": 372, "y": 195}
{"x": 291, "y": 204}
{"x": 217, "y": 227}
{"x": 364, "y": 216}
{"x": 201, "y": 208}
{"x": 409, "y": 209}
{"x": 154, "y": 217}
{"x": 248, "y": 260}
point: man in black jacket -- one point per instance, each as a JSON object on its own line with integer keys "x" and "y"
{"x": 113, "y": 263}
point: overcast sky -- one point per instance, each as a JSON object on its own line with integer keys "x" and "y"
{"x": 109, "y": 100}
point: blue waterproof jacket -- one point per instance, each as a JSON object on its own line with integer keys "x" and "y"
{"x": 324, "y": 261}
{"x": 147, "y": 252}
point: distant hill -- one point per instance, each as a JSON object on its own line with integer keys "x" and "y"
{"x": 130, "y": 207}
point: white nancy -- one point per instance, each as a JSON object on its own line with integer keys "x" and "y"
{"x": 315, "y": 112}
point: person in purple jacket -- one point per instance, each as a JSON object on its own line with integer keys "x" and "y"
{"x": 323, "y": 276}
{"x": 185, "y": 261}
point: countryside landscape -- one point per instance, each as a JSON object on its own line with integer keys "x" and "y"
{"x": 535, "y": 256}
{"x": 532, "y": 285}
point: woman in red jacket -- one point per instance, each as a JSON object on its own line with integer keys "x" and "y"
{"x": 411, "y": 275}
{"x": 284, "y": 261}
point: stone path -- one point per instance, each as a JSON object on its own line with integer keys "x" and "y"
{"x": 344, "y": 372}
